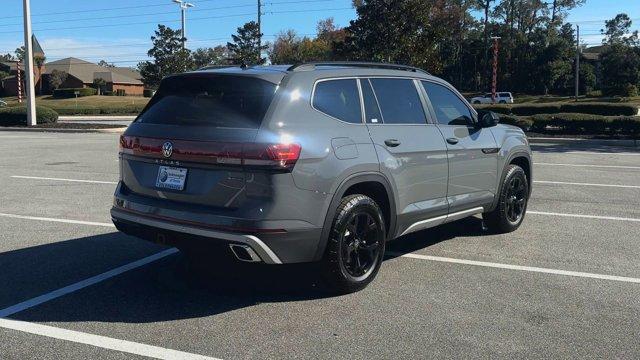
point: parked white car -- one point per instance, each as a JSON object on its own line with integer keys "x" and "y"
{"x": 501, "y": 98}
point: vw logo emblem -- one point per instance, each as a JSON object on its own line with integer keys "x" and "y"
{"x": 167, "y": 149}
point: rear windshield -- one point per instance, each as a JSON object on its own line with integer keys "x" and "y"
{"x": 211, "y": 100}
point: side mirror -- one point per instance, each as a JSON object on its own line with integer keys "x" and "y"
{"x": 487, "y": 119}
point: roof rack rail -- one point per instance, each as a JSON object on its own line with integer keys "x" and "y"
{"x": 213, "y": 67}
{"x": 312, "y": 65}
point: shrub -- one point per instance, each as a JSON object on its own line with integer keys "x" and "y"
{"x": 582, "y": 124}
{"x": 71, "y": 92}
{"x": 525, "y": 123}
{"x": 121, "y": 92}
{"x": 17, "y": 115}
{"x": 630, "y": 90}
{"x": 605, "y": 109}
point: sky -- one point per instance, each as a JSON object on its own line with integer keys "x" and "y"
{"x": 119, "y": 30}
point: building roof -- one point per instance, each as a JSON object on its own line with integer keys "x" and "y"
{"x": 86, "y": 71}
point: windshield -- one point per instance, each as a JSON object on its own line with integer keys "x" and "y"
{"x": 210, "y": 100}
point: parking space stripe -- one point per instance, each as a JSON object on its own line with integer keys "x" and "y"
{"x": 67, "y": 221}
{"x": 521, "y": 268}
{"x": 68, "y": 180}
{"x": 583, "y": 216}
{"x": 586, "y": 184}
{"x": 103, "y": 342}
{"x": 84, "y": 283}
{"x": 592, "y": 166}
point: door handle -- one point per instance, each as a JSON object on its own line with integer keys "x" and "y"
{"x": 452, "y": 140}
{"x": 392, "y": 142}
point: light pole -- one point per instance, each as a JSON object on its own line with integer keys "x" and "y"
{"x": 28, "y": 61}
{"x": 183, "y": 8}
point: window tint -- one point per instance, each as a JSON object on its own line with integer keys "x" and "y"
{"x": 211, "y": 100}
{"x": 399, "y": 101}
{"x": 372, "y": 111}
{"x": 340, "y": 99}
{"x": 505, "y": 94}
{"x": 450, "y": 110}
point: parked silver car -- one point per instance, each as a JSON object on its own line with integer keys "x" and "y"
{"x": 319, "y": 162}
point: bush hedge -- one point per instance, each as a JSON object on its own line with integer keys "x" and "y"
{"x": 577, "y": 124}
{"x": 17, "y": 115}
{"x": 71, "y": 92}
{"x": 604, "y": 109}
{"x": 102, "y": 110}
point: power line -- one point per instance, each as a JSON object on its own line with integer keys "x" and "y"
{"x": 173, "y": 21}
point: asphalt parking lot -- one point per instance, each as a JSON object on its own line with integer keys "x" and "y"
{"x": 566, "y": 284}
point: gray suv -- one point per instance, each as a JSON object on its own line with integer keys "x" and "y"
{"x": 318, "y": 162}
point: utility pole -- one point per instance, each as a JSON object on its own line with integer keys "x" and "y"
{"x": 259, "y": 31}
{"x": 494, "y": 80}
{"x": 577, "y": 61}
{"x": 183, "y": 9}
{"x": 28, "y": 61}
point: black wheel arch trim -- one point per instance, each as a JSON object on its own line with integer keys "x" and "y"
{"x": 339, "y": 194}
{"x": 507, "y": 162}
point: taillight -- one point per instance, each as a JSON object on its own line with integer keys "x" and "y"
{"x": 275, "y": 156}
{"x": 255, "y": 155}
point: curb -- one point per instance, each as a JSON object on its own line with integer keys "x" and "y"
{"x": 595, "y": 142}
{"x": 67, "y": 131}
{"x": 97, "y": 118}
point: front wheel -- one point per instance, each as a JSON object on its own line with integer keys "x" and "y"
{"x": 512, "y": 202}
{"x": 356, "y": 245}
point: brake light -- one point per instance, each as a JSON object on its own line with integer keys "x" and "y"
{"x": 255, "y": 155}
{"x": 282, "y": 156}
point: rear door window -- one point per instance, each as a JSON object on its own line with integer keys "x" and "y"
{"x": 210, "y": 100}
{"x": 339, "y": 98}
{"x": 449, "y": 109}
{"x": 399, "y": 101}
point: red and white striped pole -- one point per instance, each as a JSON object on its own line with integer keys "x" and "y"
{"x": 19, "y": 78}
{"x": 494, "y": 81}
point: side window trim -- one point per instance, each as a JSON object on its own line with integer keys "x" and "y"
{"x": 313, "y": 94}
{"x": 474, "y": 114}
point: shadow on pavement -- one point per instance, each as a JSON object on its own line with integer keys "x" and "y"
{"x": 171, "y": 289}
{"x": 578, "y": 147}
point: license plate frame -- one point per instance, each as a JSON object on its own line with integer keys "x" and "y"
{"x": 171, "y": 178}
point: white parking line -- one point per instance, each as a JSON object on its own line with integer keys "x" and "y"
{"x": 592, "y": 166}
{"x": 583, "y": 216}
{"x": 103, "y": 342}
{"x": 586, "y": 184}
{"x": 84, "y": 283}
{"x": 521, "y": 268}
{"x": 59, "y": 179}
{"x": 67, "y": 221}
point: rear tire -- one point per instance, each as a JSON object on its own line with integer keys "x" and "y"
{"x": 512, "y": 202}
{"x": 356, "y": 245}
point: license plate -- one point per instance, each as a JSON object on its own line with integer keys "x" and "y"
{"x": 171, "y": 178}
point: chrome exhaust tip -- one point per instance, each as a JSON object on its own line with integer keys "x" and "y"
{"x": 244, "y": 253}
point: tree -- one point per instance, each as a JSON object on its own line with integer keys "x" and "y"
{"x": 620, "y": 60}
{"x": 20, "y": 53}
{"x": 7, "y": 57}
{"x": 57, "y": 78}
{"x": 104, "y": 63}
{"x": 218, "y": 55}
{"x": 617, "y": 29}
{"x": 288, "y": 48}
{"x": 245, "y": 49}
{"x": 559, "y": 9}
{"x": 99, "y": 83}
{"x": 168, "y": 54}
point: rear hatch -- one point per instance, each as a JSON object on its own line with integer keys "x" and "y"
{"x": 194, "y": 142}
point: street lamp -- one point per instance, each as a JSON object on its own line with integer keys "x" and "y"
{"x": 183, "y": 8}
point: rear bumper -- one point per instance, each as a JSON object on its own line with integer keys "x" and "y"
{"x": 272, "y": 248}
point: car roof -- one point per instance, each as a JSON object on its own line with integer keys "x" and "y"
{"x": 275, "y": 73}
